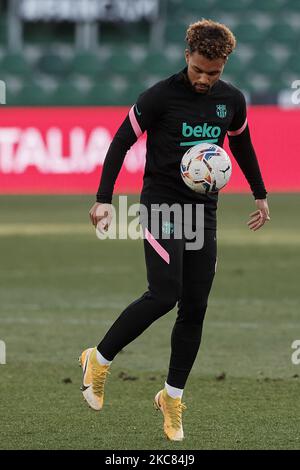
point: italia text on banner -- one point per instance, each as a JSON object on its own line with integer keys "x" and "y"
{"x": 62, "y": 150}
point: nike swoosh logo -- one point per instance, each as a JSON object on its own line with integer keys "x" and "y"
{"x": 137, "y": 111}
{"x": 83, "y": 388}
{"x": 85, "y": 367}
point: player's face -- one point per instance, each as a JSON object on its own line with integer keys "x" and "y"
{"x": 202, "y": 72}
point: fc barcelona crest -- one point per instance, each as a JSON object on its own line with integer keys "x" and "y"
{"x": 221, "y": 110}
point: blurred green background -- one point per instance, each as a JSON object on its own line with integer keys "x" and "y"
{"x": 110, "y": 63}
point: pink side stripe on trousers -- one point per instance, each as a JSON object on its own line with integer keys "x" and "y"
{"x": 157, "y": 247}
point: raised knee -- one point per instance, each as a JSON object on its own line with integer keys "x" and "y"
{"x": 167, "y": 296}
{"x": 167, "y": 301}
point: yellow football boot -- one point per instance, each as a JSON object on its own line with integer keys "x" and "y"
{"x": 94, "y": 377}
{"x": 172, "y": 409}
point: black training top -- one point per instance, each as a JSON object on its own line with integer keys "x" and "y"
{"x": 176, "y": 117}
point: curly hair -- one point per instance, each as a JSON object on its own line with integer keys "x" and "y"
{"x": 211, "y": 39}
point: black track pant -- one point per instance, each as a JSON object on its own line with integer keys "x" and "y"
{"x": 186, "y": 279}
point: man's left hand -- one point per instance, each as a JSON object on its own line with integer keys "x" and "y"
{"x": 260, "y": 216}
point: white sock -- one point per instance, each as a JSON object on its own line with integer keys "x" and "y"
{"x": 102, "y": 360}
{"x": 173, "y": 391}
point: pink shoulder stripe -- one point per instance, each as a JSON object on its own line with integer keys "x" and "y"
{"x": 135, "y": 125}
{"x": 240, "y": 130}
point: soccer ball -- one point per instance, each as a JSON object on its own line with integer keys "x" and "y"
{"x": 205, "y": 168}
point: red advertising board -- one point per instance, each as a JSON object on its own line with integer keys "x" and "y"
{"x": 61, "y": 150}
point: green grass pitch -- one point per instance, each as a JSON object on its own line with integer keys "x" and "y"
{"x": 60, "y": 290}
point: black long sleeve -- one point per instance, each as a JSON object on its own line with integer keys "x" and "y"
{"x": 244, "y": 153}
{"x": 123, "y": 140}
{"x": 140, "y": 118}
{"x": 242, "y": 149}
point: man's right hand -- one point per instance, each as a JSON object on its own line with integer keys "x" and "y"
{"x": 101, "y": 216}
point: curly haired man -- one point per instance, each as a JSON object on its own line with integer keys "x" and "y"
{"x": 170, "y": 111}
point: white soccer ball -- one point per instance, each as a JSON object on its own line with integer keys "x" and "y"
{"x": 206, "y": 168}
